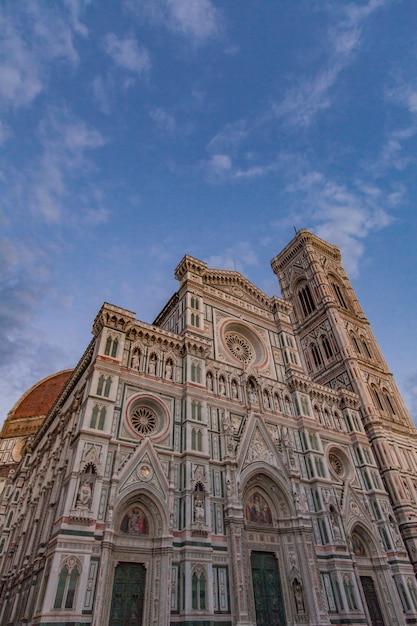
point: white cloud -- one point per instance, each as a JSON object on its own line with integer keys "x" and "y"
{"x": 127, "y": 54}
{"x": 337, "y": 213}
{"x": 163, "y": 120}
{"x": 101, "y": 94}
{"x": 197, "y": 20}
{"x": 32, "y": 37}
{"x": 219, "y": 164}
{"x": 65, "y": 141}
{"x": 229, "y": 138}
{"x": 308, "y": 97}
{"x": 25, "y": 354}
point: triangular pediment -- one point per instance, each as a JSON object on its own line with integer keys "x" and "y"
{"x": 236, "y": 286}
{"x": 258, "y": 447}
{"x": 143, "y": 469}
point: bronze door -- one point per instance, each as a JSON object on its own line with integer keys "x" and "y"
{"x": 128, "y": 594}
{"x": 267, "y": 592}
{"x": 371, "y": 598}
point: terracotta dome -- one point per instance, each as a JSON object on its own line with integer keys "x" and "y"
{"x": 27, "y": 414}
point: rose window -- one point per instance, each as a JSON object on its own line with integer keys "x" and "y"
{"x": 336, "y": 464}
{"x": 239, "y": 347}
{"x": 143, "y": 420}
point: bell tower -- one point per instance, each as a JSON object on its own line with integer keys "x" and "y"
{"x": 340, "y": 351}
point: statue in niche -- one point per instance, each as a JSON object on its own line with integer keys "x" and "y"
{"x": 199, "y": 513}
{"x": 222, "y": 386}
{"x": 298, "y": 596}
{"x": 253, "y": 396}
{"x": 257, "y": 510}
{"x": 135, "y": 522}
{"x": 334, "y": 519}
{"x": 152, "y": 365}
{"x": 209, "y": 379}
{"x": 135, "y": 361}
{"x": 234, "y": 390}
{"x": 168, "y": 370}
{"x": 84, "y": 496}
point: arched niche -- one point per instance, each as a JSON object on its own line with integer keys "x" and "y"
{"x": 265, "y": 501}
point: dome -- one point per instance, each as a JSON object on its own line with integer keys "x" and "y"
{"x": 27, "y": 414}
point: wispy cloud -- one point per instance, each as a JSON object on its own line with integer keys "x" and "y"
{"x": 311, "y": 94}
{"x": 25, "y": 354}
{"x": 65, "y": 142}
{"x": 338, "y": 213}
{"x": 32, "y": 39}
{"x": 197, "y": 20}
{"x": 128, "y": 54}
{"x": 164, "y": 121}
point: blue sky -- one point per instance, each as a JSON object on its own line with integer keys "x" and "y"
{"x": 134, "y": 132}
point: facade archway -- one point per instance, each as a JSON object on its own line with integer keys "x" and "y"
{"x": 275, "y": 563}
{"x": 367, "y": 565}
{"x": 138, "y": 564}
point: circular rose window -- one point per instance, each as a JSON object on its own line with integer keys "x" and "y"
{"x": 336, "y": 464}
{"x": 339, "y": 464}
{"x": 144, "y": 420}
{"x": 243, "y": 343}
{"x": 239, "y": 346}
{"x": 147, "y": 416}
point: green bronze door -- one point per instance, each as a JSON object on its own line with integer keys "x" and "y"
{"x": 269, "y": 605}
{"x": 372, "y": 601}
{"x": 128, "y": 593}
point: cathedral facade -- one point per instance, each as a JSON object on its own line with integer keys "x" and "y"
{"x": 244, "y": 460}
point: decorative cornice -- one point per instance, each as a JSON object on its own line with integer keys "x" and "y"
{"x": 113, "y": 317}
{"x": 301, "y": 241}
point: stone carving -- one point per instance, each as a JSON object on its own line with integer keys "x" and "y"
{"x": 85, "y": 495}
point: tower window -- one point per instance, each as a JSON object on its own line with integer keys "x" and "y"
{"x": 316, "y": 354}
{"x": 328, "y": 351}
{"x": 339, "y": 295}
{"x": 306, "y": 300}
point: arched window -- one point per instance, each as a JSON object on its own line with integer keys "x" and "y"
{"x": 98, "y": 417}
{"x": 366, "y": 349}
{"x": 339, "y": 295}
{"x": 195, "y": 373}
{"x": 111, "y": 346}
{"x": 100, "y": 385}
{"x": 377, "y": 399}
{"x": 67, "y": 585}
{"x": 306, "y": 300}
{"x": 316, "y": 354}
{"x": 108, "y": 346}
{"x": 102, "y": 418}
{"x": 198, "y": 590}
{"x": 196, "y": 410}
{"x": 193, "y": 439}
{"x": 107, "y": 387}
{"x": 328, "y": 351}
{"x": 355, "y": 343}
{"x": 389, "y": 403}
{"x": 199, "y": 441}
{"x": 94, "y": 414}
